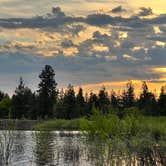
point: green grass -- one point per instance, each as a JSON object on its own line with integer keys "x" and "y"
{"x": 109, "y": 137}
{"x": 134, "y": 136}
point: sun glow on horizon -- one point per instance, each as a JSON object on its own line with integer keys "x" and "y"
{"x": 120, "y": 86}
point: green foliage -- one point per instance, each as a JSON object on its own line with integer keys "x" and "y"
{"x": 105, "y": 126}
{"x": 134, "y": 135}
{"x": 22, "y": 101}
{"x": 59, "y": 124}
{"x": 5, "y": 107}
{"x": 3, "y": 95}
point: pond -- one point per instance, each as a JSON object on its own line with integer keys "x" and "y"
{"x": 30, "y": 148}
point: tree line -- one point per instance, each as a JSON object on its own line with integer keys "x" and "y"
{"x": 50, "y": 102}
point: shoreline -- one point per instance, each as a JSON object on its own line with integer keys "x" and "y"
{"x": 16, "y": 124}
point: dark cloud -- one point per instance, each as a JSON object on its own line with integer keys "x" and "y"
{"x": 58, "y": 18}
{"x": 99, "y": 19}
{"x": 118, "y": 9}
{"x": 141, "y": 73}
{"x": 157, "y": 55}
{"x": 67, "y": 43}
{"x": 56, "y": 11}
{"x": 145, "y": 11}
{"x": 157, "y": 38}
{"x": 161, "y": 19}
{"x": 98, "y": 35}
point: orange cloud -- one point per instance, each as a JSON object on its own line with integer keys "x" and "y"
{"x": 100, "y": 48}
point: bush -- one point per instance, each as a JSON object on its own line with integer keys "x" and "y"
{"x": 5, "y": 108}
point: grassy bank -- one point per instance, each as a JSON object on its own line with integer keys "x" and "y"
{"x": 137, "y": 139}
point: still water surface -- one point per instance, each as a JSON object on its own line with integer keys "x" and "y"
{"x": 55, "y": 148}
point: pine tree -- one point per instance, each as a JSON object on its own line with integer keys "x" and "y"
{"x": 103, "y": 100}
{"x": 130, "y": 94}
{"x": 147, "y": 101}
{"x": 21, "y": 101}
{"x": 114, "y": 100}
{"x": 80, "y": 102}
{"x": 93, "y": 102}
{"x": 70, "y": 103}
{"x": 47, "y": 92}
{"x": 162, "y": 101}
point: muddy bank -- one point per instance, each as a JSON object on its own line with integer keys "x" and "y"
{"x": 17, "y": 124}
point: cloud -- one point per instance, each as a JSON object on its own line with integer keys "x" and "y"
{"x": 58, "y": 18}
{"x": 67, "y": 43}
{"x": 56, "y": 11}
{"x": 118, "y": 9}
{"x": 86, "y": 49}
{"x": 145, "y": 11}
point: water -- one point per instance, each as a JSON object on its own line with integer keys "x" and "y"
{"x": 55, "y": 148}
{"x": 29, "y": 148}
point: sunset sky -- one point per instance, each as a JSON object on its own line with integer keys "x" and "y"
{"x": 89, "y": 43}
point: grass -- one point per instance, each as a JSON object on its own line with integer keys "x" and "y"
{"x": 136, "y": 136}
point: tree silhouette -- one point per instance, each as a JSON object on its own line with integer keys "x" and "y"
{"x": 70, "y": 103}
{"x": 3, "y": 95}
{"x": 114, "y": 99}
{"x": 47, "y": 92}
{"x": 80, "y": 102}
{"x": 130, "y": 94}
{"x": 147, "y": 101}
{"x": 103, "y": 100}
{"x": 162, "y": 101}
{"x": 21, "y": 101}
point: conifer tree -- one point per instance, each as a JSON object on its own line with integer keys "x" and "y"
{"x": 47, "y": 92}
{"x": 114, "y": 99}
{"x": 70, "y": 103}
{"x": 130, "y": 94}
{"x": 162, "y": 101}
{"x": 21, "y": 101}
{"x": 103, "y": 100}
{"x": 147, "y": 101}
{"x": 80, "y": 102}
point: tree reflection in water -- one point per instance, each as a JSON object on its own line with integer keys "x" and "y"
{"x": 62, "y": 149}
{"x": 43, "y": 150}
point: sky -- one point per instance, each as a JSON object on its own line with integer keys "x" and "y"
{"x": 89, "y": 43}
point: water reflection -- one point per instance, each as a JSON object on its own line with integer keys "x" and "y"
{"x": 11, "y": 146}
{"x": 66, "y": 149}
{"x": 43, "y": 151}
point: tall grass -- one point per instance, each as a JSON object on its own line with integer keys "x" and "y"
{"x": 141, "y": 139}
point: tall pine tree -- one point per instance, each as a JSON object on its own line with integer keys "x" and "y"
{"x": 80, "y": 102}
{"x": 162, "y": 102}
{"x": 70, "y": 103}
{"x": 103, "y": 100}
{"x": 147, "y": 101}
{"x": 47, "y": 92}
